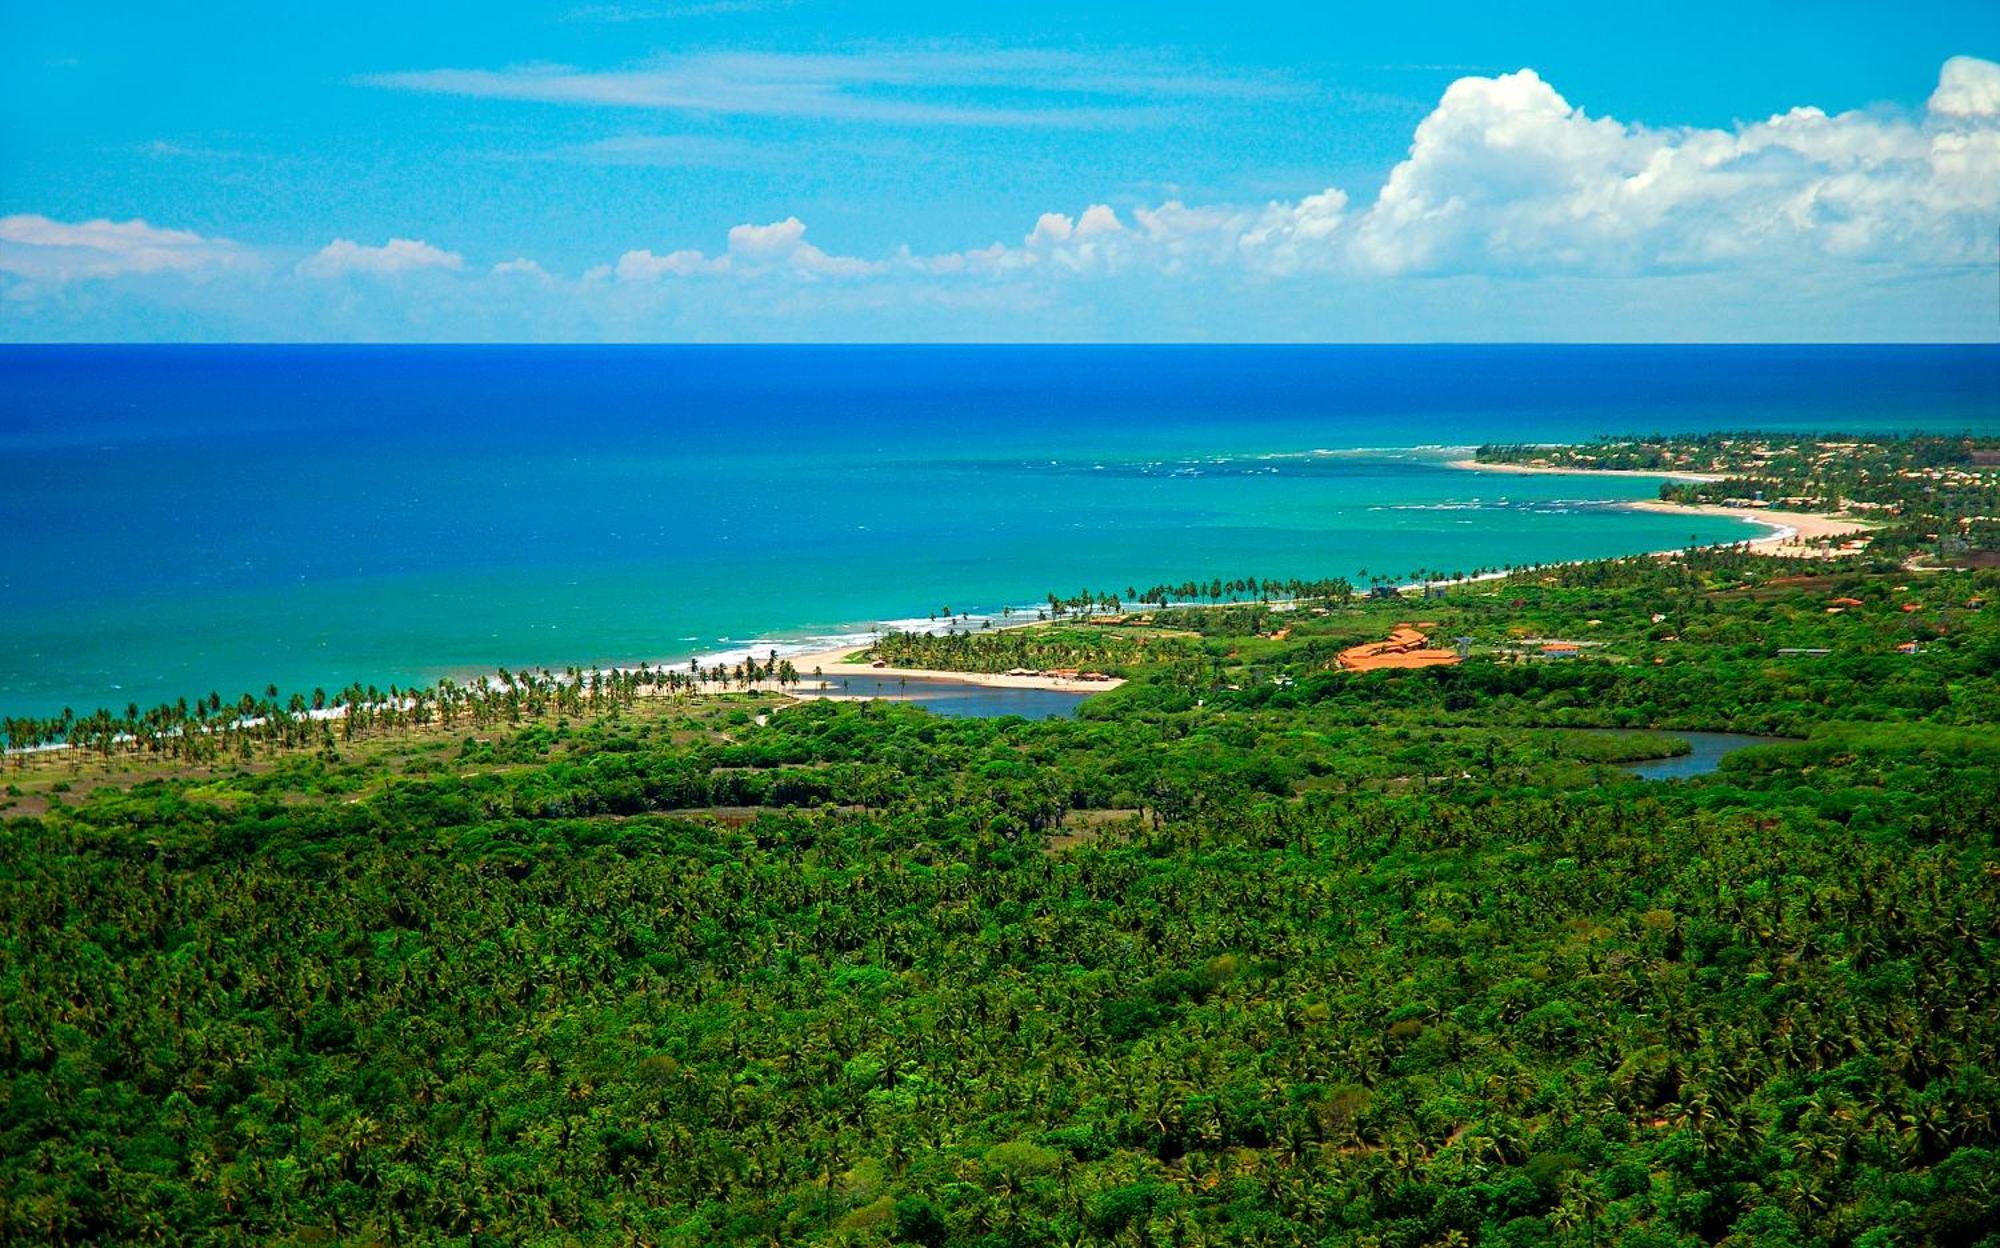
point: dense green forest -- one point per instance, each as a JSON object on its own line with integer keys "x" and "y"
{"x": 1252, "y": 951}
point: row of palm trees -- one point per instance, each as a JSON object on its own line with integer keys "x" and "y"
{"x": 1086, "y": 603}
{"x": 210, "y": 728}
{"x": 1326, "y": 590}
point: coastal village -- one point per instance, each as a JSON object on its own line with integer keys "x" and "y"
{"x": 1953, "y": 481}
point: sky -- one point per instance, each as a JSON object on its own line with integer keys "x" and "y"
{"x": 763, "y": 170}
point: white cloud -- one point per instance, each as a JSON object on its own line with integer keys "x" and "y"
{"x": 782, "y": 245}
{"x": 1506, "y": 176}
{"x": 988, "y": 261}
{"x": 1286, "y": 238}
{"x": 343, "y": 256}
{"x": 1051, "y": 228}
{"x": 767, "y": 242}
{"x": 1097, "y": 221}
{"x": 1967, "y": 87}
{"x": 42, "y": 250}
{"x": 523, "y": 267}
{"x": 1091, "y": 242}
{"x": 754, "y": 251}
{"x": 807, "y": 258}
{"x": 1177, "y": 236}
{"x": 644, "y": 266}
{"x": 1506, "y": 183}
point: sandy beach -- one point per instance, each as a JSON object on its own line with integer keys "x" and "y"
{"x": 1793, "y": 534}
{"x": 832, "y": 663}
{"x": 1473, "y": 465}
{"x": 1793, "y": 531}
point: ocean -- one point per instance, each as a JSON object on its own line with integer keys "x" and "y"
{"x": 176, "y": 520}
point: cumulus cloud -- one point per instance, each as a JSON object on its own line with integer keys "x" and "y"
{"x": 1051, "y": 229}
{"x": 522, "y": 267}
{"x": 778, "y": 248}
{"x": 1505, "y": 181}
{"x": 1967, "y": 87}
{"x": 767, "y": 242}
{"x": 783, "y": 245}
{"x": 1505, "y": 175}
{"x": 1286, "y": 238}
{"x": 1089, "y": 242}
{"x": 644, "y": 266}
{"x": 343, "y": 256}
{"x": 42, "y": 250}
{"x": 998, "y": 258}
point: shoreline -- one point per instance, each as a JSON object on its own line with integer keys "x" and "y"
{"x": 1537, "y": 470}
{"x": 1789, "y": 531}
{"x": 832, "y": 664}
{"x": 1789, "y": 535}
{"x": 1792, "y": 532}
{"x": 809, "y": 652}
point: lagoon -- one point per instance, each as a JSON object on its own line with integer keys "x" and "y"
{"x": 1705, "y": 754}
{"x": 959, "y": 699}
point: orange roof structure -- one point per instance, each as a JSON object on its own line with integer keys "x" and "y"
{"x": 1405, "y": 647}
{"x": 1847, "y": 602}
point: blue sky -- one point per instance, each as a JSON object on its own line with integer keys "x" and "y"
{"x": 736, "y": 169}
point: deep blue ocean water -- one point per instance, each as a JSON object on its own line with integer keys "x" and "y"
{"x": 180, "y": 519}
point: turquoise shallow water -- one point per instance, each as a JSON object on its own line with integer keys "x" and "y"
{"x": 184, "y": 519}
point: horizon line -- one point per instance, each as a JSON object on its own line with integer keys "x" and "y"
{"x": 1010, "y": 343}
